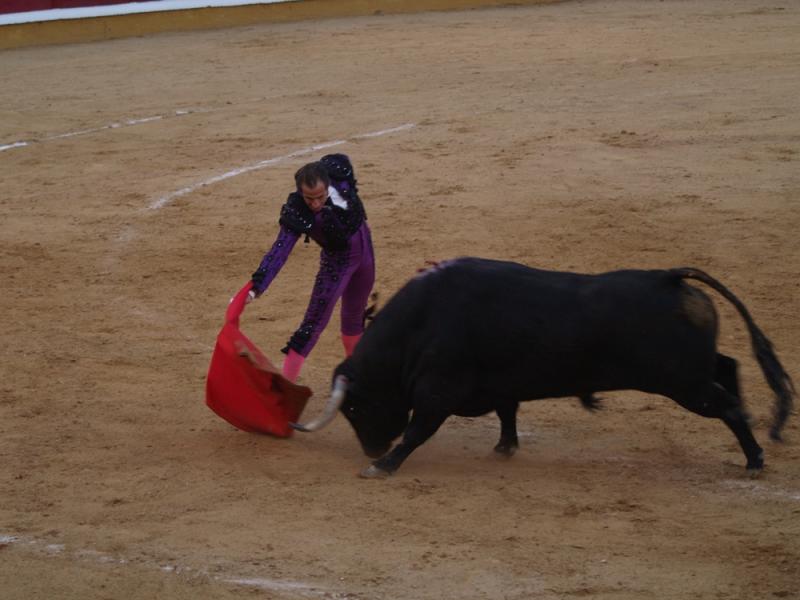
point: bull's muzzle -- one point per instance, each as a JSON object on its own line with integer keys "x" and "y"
{"x": 331, "y": 407}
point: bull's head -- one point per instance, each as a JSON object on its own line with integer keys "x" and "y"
{"x": 376, "y": 424}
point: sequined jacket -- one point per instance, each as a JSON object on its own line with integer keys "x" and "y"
{"x": 331, "y": 228}
{"x": 335, "y": 223}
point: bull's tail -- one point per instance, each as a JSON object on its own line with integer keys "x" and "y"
{"x": 776, "y": 377}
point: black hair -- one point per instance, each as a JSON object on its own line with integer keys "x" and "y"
{"x": 311, "y": 174}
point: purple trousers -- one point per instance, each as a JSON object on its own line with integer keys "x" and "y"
{"x": 347, "y": 274}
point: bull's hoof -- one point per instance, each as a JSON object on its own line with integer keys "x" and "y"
{"x": 755, "y": 465}
{"x": 754, "y": 473}
{"x": 755, "y": 470}
{"x": 373, "y": 472}
{"x": 506, "y": 449}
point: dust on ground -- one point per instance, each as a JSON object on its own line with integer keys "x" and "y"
{"x": 580, "y": 136}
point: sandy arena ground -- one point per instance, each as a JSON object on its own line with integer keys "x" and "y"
{"x": 585, "y": 136}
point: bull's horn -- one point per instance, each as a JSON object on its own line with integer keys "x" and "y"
{"x": 331, "y": 408}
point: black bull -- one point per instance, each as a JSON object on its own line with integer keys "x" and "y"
{"x": 471, "y": 336}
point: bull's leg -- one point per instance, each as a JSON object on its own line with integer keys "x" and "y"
{"x": 726, "y": 374}
{"x": 718, "y": 403}
{"x": 738, "y": 424}
{"x": 508, "y": 443}
{"x": 422, "y": 426}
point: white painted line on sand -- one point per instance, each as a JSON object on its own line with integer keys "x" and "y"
{"x": 763, "y": 490}
{"x": 75, "y": 133}
{"x": 164, "y": 200}
{"x": 14, "y": 145}
{"x": 103, "y": 558}
{"x": 384, "y": 131}
{"x": 275, "y": 585}
{"x": 116, "y": 125}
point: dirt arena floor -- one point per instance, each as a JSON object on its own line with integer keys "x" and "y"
{"x": 582, "y": 136}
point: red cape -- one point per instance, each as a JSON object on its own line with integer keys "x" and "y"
{"x": 244, "y": 387}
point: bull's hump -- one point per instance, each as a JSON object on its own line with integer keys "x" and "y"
{"x": 436, "y": 266}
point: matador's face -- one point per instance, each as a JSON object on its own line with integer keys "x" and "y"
{"x": 315, "y": 196}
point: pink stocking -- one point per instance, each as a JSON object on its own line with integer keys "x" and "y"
{"x": 292, "y": 365}
{"x": 349, "y": 342}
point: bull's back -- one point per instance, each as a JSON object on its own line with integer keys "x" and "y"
{"x": 533, "y": 333}
{"x": 514, "y": 332}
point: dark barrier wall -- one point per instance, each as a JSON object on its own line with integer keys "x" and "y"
{"x": 13, "y": 6}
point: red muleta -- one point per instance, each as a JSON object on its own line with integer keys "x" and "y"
{"x": 244, "y": 387}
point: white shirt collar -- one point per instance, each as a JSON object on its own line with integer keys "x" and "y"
{"x": 336, "y": 197}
